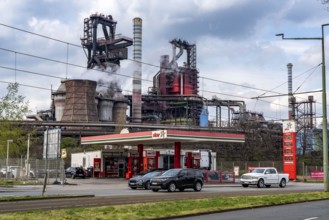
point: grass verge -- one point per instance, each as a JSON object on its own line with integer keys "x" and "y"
{"x": 168, "y": 209}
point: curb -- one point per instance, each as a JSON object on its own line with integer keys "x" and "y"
{"x": 46, "y": 197}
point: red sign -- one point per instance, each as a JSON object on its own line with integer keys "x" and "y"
{"x": 159, "y": 134}
{"x": 289, "y": 154}
{"x": 97, "y": 164}
{"x": 317, "y": 174}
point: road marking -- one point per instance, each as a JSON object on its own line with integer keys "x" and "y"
{"x": 311, "y": 218}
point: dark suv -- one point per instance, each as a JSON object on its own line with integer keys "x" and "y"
{"x": 178, "y": 179}
{"x": 75, "y": 172}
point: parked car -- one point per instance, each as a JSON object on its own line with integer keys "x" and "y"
{"x": 3, "y": 173}
{"x": 264, "y": 177}
{"x": 51, "y": 173}
{"x": 178, "y": 179}
{"x": 142, "y": 181}
{"x": 69, "y": 171}
{"x": 15, "y": 172}
{"x": 75, "y": 172}
{"x": 151, "y": 170}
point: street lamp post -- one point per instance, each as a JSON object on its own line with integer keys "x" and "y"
{"x": 8, "y": 141}
{"x": 324, "y": 105}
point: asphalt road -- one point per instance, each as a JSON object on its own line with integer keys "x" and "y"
{"x": 317, "y": 210}
{"x": 116, "y": 191}
{"x": 117, "y": 187}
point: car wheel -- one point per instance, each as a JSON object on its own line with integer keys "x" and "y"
{"x": 260, "y": 183}
{"x": 172, "y": 187}
{"x": 245, "y": 185}
{"x": 283, "y": 183}
{"x": 181, "y": 189}
{"x": 147, "y": 185}
{"x": 268, "y": 186}
{"x": 197, "y": 186}
{"x": 155, "y": 190}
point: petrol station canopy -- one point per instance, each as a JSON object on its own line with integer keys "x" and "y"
{"x": 159, "y": 137}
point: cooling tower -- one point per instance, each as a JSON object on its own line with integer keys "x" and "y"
{"x": 119, "y": 108}
{"x": 80, "y": 104}
{"x": 59, "y": 101}
{"x": 105, "y": 109}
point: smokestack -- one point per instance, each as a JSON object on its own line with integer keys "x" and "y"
{"x": 290, "y": 96}
{"x": 137, "y": 82}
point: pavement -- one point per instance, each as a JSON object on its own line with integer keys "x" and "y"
{"x": 85, "y": 186}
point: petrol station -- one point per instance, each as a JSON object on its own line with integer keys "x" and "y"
{"x": 141, "y": 160}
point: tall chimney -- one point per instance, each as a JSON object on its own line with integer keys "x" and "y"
{"x": 290, "y": 96}
{"x": 137, "y": 82}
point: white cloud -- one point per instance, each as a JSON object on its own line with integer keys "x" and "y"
{"x": 214, "y": 5}
{"x": 235, "y": 42}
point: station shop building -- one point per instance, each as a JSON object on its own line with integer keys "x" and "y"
{"x": 159, "y": 149}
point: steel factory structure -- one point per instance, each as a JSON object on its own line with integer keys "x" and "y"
{"x": 170, "y": 112}
{"x": 172, "y": 100}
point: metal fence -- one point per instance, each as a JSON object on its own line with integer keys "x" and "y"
{"x": 304, "y": 172}
{"x": 37, "y": 169}
{"x": 243, "y": 167}
{"x": 33, "y": 169}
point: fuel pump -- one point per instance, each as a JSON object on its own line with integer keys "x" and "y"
{"x": 196, "y": 157}
{"x": 150, "y": 158}
{"x": 188, "y": 160}
{"x": 200, "y": 159}
{"x": 132, "y": 165}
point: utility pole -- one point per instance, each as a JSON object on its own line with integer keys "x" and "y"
{"x": 28, "y": 157}
{"x": 324, "y": 105}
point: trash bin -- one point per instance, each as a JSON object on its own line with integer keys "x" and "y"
{"x": 90, "y": 170}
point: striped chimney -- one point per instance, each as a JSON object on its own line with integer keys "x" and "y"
{"x": 137, "y": 82}
{"x": 290, "y": 96}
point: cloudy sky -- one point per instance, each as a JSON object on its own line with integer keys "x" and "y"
{"x": 238, "y": 54}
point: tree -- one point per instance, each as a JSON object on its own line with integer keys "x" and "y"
{"x": 12, "y": 105}
{"x": 69, "y": 142}
{"x": 12, "y": 109}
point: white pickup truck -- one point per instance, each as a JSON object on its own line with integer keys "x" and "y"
{"x": 264, "y": 177}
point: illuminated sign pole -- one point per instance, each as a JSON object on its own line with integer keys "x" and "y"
{"x": 289, "y": 149}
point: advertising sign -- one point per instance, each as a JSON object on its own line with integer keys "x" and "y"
{"x": 236, "y": 170}
{"x": 97, "y": 164}
{"x": 289, "y": 126}
{"x": 317, "y": 174}
{"x": 289, "y": 148}
{"x": 51, "y": 143}
{"x": 159, "y": 134}
{"x": 63, "y": 154}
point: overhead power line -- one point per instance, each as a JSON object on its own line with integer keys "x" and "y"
{"x": 157, "y": 66}
{"x": 39, "y": 35}
{"x": 144, "y": 63}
